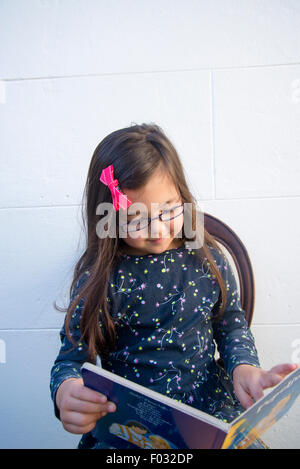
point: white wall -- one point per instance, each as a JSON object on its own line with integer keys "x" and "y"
{"x": 223, "y": 80}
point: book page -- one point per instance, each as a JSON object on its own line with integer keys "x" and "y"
{"x": 264, "y": 413}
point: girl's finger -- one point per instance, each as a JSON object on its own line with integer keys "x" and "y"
{"x": 243, "y": 396}
{"x": 85, "y": 394}
{"x": 284, "y": 368}
{"x": 78, "y": 430}
{"x": 270, "y": 379}
{"x": 84, "y": 407}
{"x": 80, "y": 420}
{"x": 256, "y": 391}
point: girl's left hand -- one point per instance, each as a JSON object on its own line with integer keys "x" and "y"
{"x": 249, "y": 381}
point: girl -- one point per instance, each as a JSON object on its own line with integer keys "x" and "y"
{"x": 146, "y": 304}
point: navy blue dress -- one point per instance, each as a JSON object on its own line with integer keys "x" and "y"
{"x": 162, "y": 306}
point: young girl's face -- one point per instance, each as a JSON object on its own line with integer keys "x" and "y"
{"x": 159, "y": 236}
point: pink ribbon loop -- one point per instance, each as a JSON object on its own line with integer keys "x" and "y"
{"x": 120, "y": 200}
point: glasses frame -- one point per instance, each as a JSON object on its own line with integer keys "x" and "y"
{"x": 125, "y": 225}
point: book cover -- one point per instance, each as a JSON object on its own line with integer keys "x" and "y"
{"x": 150, "y": 420}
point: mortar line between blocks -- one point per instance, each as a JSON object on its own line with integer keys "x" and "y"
{"x": 145, "y": 72}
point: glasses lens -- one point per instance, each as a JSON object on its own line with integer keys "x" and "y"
{"x": 173, "y": 213}
{"x": 142, "y": 223}
{"x": 137, "y": 225}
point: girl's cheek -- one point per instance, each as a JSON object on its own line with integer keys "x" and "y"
{"x": 172, "y": 228}
{"x": 177, "y": 225}
{"x": 136, "y": 236}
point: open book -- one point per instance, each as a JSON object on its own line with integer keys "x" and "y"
{"x": 150, "y": 420}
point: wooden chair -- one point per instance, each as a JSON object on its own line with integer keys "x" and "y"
{"x": 232, "y": 243}
{"x": 229, "y": 239}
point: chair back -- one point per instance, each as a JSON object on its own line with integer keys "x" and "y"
{"x": 224, "y": 235}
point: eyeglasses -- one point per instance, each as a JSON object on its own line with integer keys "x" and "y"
{"x": 138, "y": 224}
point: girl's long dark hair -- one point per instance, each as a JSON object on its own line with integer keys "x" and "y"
{"x": 136, "y": 152}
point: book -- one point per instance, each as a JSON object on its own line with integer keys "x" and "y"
{"x": 147, "y": 419}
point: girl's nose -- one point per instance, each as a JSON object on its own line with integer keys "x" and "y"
{"x": 158, "y": 229}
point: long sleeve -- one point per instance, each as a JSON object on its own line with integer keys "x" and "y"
{"x": 70, "y": 356}
{"x": 232, "y": 335}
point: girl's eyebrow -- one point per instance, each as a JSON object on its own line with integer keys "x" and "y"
{"x": 168, "y": 201}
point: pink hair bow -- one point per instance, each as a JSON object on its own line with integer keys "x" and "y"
{"x": 120, "y": 200}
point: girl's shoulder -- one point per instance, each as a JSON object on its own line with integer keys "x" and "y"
{"x": 219, "y": 256}
{"x": 217, "y": 252}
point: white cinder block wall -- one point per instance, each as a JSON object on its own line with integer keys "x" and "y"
{"x": 223, "y": 80}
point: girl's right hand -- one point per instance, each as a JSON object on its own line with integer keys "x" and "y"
{"x": 80, "y": 407}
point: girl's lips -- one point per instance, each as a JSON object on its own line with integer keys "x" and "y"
{"x": 156, "y": 241}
